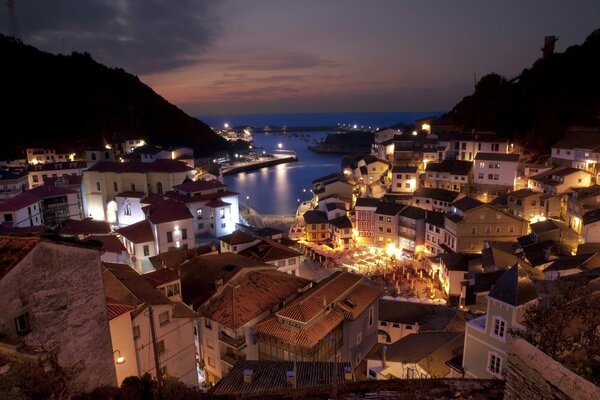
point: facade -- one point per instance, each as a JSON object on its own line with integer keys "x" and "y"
{"x": 559, "y": 180}
{"x": 452, "y": 175}
{"x": 172, "y": 225}
{"x": 271, "y": 252}
{"x": 405, "y": 180}
{"x": 364, "y": 219}
{"x": 334, "y": 321}
{"x": 434, "y": 199}
{"x": 470, "y": 223}
{"x": 487, "y": 338}
{"x": 495, "y": 171}
{"x": 434, "y": 232}
{"x": 54, "y": 309}
{"x": 40, "y": 174}
{"x": 528, "y": 204}
{"x": 386, "y": 224}
{"x": 12, "y": 183}
{"x": 578, "y": 149}
{"x": 173, "y": 324}
{"x": 340, "y": 229}
{"x": 317, "y": 226}
{"x": 21, "y": 211}
{"x": 37, "y": 156}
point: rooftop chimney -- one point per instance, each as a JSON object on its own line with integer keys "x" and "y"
{"x": 247, "y": 376}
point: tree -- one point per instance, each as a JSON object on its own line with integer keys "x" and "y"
{"x": 566, "y": 326}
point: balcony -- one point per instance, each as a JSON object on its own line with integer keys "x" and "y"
{"x": 232, "y": 359}
{"x": 478, "y": 323}
{"x": 236, "y": 343}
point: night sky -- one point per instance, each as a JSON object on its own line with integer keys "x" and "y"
{"x": 271, "y": 56}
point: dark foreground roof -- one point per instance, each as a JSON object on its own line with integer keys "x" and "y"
{"x": 271, "y": 376}
{"x": 514, "y": 288}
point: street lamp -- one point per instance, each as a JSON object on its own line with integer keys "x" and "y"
{"x": 248, "y": 203}
{"x": 119, "y": 359}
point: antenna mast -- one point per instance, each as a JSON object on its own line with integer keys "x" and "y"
{"x": 13, "y": 25}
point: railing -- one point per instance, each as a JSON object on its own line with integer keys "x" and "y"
{"x": 233, "y": 342}
{"x": 232, "y": 359}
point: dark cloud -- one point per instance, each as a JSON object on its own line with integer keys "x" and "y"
{"x": 270, "y": 59}
{"x": 142, "y": 36}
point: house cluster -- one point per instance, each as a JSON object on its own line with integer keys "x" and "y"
{"x": 470, "y": 212}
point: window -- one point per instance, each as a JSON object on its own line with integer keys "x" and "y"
{"x": 207, "y": 324}
{"x": 170, "y": 237}
{"x": 22, "y": 324}
{"x": 98, "y": 186}
{"x": 184, "y": 234}
{"x": 480, "y": 175}
{"x": 163, "y": 318}
{"x": 199, "y": 213}
{"x": 371, "y": 316}
{"x": 494, "y": 364}
{"x": 488, "y": 229}
{"x": 136, "y": 332}
{"x": 36, "y": 178}
{"x": 127, "y": 210}
{"x": 481, "y": 165}
{"x": 160, "y": 347}
{"x": 146, "y": 249}
{"x": 389, "y": 219}
{"x": 133, "y": 187}
{"x": 511, "y": 229}
{"x": 281, "y": 263}
{"x": 115, "y": 187}
{"x": 159, "y": 188}
{"x": 222, "y": 213}
{"x": 358, "y": 337}
{"x": 93, "y": 156}
{"x": 473, "y": 230}
{"x": 495, "y": 146}
{"x": 211, "y": 362}
{"x": 292, "y": 261}
{"x": 499, "y": 327}
{"x": 223, "y": 225}
{"x": 8, "y": 217}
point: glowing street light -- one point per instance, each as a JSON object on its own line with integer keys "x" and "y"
{"x": 280, "y": 145}
{"x": 226, "y": 125}
{"x": 355, "y": 126}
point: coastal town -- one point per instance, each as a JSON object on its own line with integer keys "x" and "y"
{"x": 415, "y": 261}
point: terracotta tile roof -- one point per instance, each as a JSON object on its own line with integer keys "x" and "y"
{"x": 315, "y": 217}
{"x": 198, "y": 186}
{"x": 19, "y": 202}
{"x": 304, "y": 337}
{"x": 357, "y": 301}
{"x": 140, "y": 232}
{"x": 162, "y": 276}
{"x": 271, "y": 376}
{"x": 313, "y": 302}
{"x": 110, "y": 243}
{"x": 168, "y": 166}
{"x": 167, "y": 211}
{"x": 132, "y": 194}
{"x": 269, "y": 250}
{"x": 46, "y": 191}
{"x": 514, "y": 287}
{"x": 126, "y": 286}
{"x": 217, "y": 204}
{"x": 177, "y": 256}
{"x": 13, "y": 249}
{"x": 152, "y": 198}
{"x": 84, "y": 227}
{"x": 70, "y": 180}
{"x": 114, "y": 310}
{"x": 249, "y": 295}
{"x": 237, "y": 237}
{"x": 198, "y": 198}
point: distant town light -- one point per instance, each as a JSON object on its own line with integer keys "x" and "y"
{"x": 226, "y": 125}
{"x": 304, "y": 190}
{"x": 414, "y": 133}
{"x": 355, "y": 126}
{"x": 280, "y": 145}
{"x": 108, "y": 147}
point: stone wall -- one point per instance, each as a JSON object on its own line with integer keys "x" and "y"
{"x": 60, "y": 286}
{"x": 531, "y": 374}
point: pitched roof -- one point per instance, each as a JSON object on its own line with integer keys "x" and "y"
{"x": 114, "y": 309}
{"x": 405, "y": 170}
{"x": 315, "y": 217}
{"x": 435, "y": 218}
{"x": 140, "y": 232}
{"x": 512, "y": 157}
{"x": 20, "y": 201}
{"x": 199, "y": 185}
{"x": 546, "y": 177}
{"x": 342, "y": 222}
{"x": 271, "y": 376}
{"x": 484, "y": 281}
{"x": 466, "y": 203}
{"x": 581, "y": 139}
{"x": 13, "y": 249}
{"x": 330, "y": 177}
{"x": 514, "y": 287}
{"x": 335, "y": 206}
{"x": 457, "y": 261}
{"x": 547, "y": 226}
{"x": 167, "y": 166}
{"x": 47, "y": 191}
{"x": 167, "y": 211}
{"x": 268, "y": 251}
{"x": 524, "y": 193}
{"x": 437, "y": 194}
{"x": 86, "y": 226}
{"x": 413, "y": 212}
{"x": 110, "y": 243}
{"x": 427, "y": 316}
{"x": 389, "y": 208}
{"x": 580, "y": 261}
{"x": 237, "y": 237}
{"x": 366, "y": 202}
{"x": 126, "y": 286}
{"x": 454, "y": 167}
{"x": 162, "y": 276}
{"x": 200, "y": 274}
{"x": 249, "y": 295}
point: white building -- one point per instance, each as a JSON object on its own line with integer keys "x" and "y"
{"x": 495, "y": 171}
{"x": 405, "y": 179}
{"x": 559, "y": 180}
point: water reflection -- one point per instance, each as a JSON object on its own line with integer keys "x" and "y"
{"x": 276, "y": 190}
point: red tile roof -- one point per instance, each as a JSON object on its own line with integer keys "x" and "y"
{"x": 217, "y": 203}
{"x": 152, "y": 198}
{"x": 238, "y": 237}
{"x": 205, "y": 197}
{"x": 114, "y": 310}
{"x": 46, "y": 191}
{"x": 84, "y": 227}
{"x": 131, "y": 193}
{"x": 167, "y": 211}
{"x": 19, "y": 202}
{"x": 309, "y": 305}
{"x": 162, "y": 276}
{"x": 168, "y": 166}
{"x": 250, "y": 295}
{"x": 13, "y": 249}
{"x": 110, "y": 243}
{"x": 140, "y": 232}
{"x": 199, "y": 185}
{"x": 269, "y": 250}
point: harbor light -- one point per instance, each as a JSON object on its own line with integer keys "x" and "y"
{"x": 280, "y": 145}
{"x": 355, "y": 126}
{"x": 226, "y": 125}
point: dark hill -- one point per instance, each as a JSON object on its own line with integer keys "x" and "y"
{"x": 558, "y": 91}
{"x": 50, "y": 99}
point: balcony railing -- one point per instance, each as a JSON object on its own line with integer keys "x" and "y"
{"x": 231, "y": 359}
{"x": 236, "y": 343}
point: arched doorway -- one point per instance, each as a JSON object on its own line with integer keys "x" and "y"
{"x": 111, "y": 212}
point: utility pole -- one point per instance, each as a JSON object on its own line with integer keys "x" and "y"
{"x": 13, "y": 25}
{"x": 154, "y": 347}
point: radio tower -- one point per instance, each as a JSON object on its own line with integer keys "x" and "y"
{"x": 13, "y": 25}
